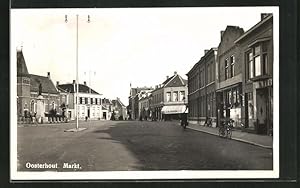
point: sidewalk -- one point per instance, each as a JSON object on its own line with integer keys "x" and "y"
{"x": 254, "y": 139}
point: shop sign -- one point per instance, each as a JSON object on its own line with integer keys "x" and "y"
{"x": 264, "y": 83}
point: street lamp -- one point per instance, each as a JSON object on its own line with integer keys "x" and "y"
{"x": 77, "y": 86}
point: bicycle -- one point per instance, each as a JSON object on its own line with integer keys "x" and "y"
{"x": 225, "y": 130}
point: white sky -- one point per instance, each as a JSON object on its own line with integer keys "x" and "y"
{"x": 122, "y": 45}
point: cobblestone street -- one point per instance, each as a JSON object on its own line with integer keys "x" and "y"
{"x": 134, "y": 145}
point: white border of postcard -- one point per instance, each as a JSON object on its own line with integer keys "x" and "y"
{"x": 150, "y": 175}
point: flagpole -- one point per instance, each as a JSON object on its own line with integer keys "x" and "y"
{"x": 77, "y": 86}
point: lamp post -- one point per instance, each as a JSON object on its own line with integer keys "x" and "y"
{"x": 77, "y": 86}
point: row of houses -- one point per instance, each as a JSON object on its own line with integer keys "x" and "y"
{"x": 164, "y": 102}
{"x": 231, "y": 81}
{"x": 37, "y": 95}
{"x": 235, "y": 79}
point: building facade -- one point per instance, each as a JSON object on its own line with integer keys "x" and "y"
{"x": 229, "y": 77}
{"x": 202, "y": 89}
{"x": 119, "y": 109}
{"x": 144, "y": 105}
{"x": 133, "y": 101}
{"x": 257, "y": 57}
{"x": 169, "y": 99}
{"x": 33, "y": 89}
{"x": 89, "y": 101}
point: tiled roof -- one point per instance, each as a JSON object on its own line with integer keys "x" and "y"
{"x": 176, "y": 81}
{"x": 21, "y": 65}
{"x": 167, "y": 80}
{"x": 82, "y": 88}
{"x": 47, "y": 84}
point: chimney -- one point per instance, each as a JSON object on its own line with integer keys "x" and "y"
{"x": 264, "y": 15}
{"x": 74, "y": 82}
{"x": 84, "y": 83}
{"x": 222, "y": 32}
{"x": 175, "y": 73}
{"x": 205, "y": 51}
{"x": 48, "y": 75}
{"x": 57, "y": 83}
{"x": 167, "y": 77}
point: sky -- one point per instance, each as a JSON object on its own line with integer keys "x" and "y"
{"x": 121, "y": 46}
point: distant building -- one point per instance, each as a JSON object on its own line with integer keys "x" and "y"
{"x": 107, "y": 108}
{"x": 30, "y": 86}
{"x": 119, "y": 109}
{"x": 144, "y": 105}
{"x": 169, "y": 99}
{"x": 202, "y": 89}
{"x": 89, "y": 101}
{"x": 133, "y": 101}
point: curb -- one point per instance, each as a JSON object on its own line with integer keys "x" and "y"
{"x": 237, "y": 139}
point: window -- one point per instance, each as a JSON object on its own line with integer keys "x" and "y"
{"x": 234, "y": 96}
{"x": 92, "y": 101}
{"x": 257, "y": 63}
{"x": 232, "y": 62}
{"x": 181, "y": 95}
{"x": 175, "y": 96}
{"x": 80, "y": 100}
{"x": 250, "y": 64}
{"x": 86, "y": 100}
{"x": 32, "y": 106}
{"x": 226, "y": 69}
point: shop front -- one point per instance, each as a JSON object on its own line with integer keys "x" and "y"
{"x": 173, "y": 112}
{"x": 229, "y": 102}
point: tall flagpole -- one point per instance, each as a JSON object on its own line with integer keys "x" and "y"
{"x": 77, "y": 86}
{"x": 77, "y": 79}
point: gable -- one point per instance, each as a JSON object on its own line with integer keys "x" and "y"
{"x": 175, "y": 82}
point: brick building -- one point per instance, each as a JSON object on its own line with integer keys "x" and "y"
{"x": 30, "y": 86}
{"x": 229, "y": 76}
{"x": 202, "y": 89}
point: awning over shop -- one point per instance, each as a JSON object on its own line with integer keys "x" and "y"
{"x": 176, "y": 109}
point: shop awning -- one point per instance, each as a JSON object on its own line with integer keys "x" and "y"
{"x": 175, "y": 109}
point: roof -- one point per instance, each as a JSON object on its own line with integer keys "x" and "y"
{"x": 47, "y": 84}
{"x": 106, "y": 101}
{"x": 115, "y": 101}
{"x": 21, "y": 65}
{"x": 210, "y": 51}
{"x": 254, "y": 28}
{"x": 176, "y": 81}
{"x": 134, "y": 91}
{"x": 82, "y": 88}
